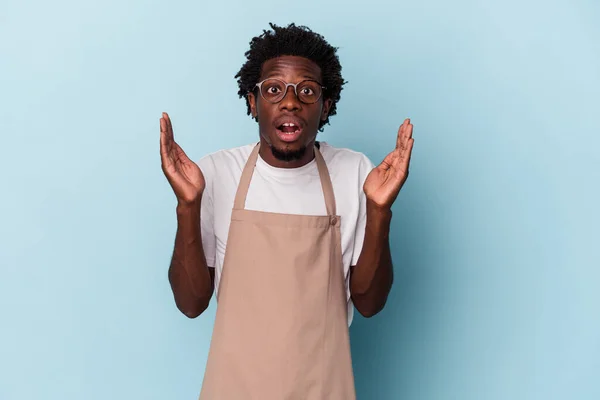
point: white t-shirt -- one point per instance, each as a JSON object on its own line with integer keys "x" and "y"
{"x": 284, "y": 190}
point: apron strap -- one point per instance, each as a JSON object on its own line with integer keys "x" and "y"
{"x": 326, "y": 185}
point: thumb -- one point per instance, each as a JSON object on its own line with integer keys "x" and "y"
{"x": 181, "y": 154}
{"x": 387, "y": 162}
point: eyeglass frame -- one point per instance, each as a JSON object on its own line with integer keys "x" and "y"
{"x": 287, "y": 85}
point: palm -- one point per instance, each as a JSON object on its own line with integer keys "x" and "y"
{"x": 385, "y": 181}
{"x": 183, "y": 174}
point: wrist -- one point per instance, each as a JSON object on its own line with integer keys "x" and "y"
{"x": 375, "y": 210}
{"x": 378, "y": 219}
{"x": 188, "y": 222}
{"x": 187, "y": 207}
{"x": 188, "y": 211}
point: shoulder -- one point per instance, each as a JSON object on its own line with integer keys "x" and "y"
{"x": 345, "y": 158}
{"x": 225, "y": 160}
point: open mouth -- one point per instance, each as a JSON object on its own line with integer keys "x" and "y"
{"x": 288, "y": 131}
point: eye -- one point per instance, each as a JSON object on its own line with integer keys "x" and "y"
{"x": 307, "y": 91}
{"x": 273, "y": 90}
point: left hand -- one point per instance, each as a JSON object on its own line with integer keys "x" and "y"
{"x": 385, "y": 181}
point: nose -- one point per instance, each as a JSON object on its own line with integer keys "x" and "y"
{"x": 290, "y": 101}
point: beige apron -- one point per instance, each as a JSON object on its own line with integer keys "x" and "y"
{"x": 281, "y": 329}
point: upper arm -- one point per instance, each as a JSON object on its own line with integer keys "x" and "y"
{"x": 207, "y": 212}
{"x": 365, "y": 167}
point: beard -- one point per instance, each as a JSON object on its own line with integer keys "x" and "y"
{"x": 288, "y": 155}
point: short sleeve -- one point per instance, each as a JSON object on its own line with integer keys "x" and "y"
{"x": 207, "y": 211}
{"x": 365, "y": 167}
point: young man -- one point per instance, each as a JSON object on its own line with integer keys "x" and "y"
{"x": 290, "y": 233}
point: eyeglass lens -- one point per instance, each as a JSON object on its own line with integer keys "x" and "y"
{"x": 273, "y": 90}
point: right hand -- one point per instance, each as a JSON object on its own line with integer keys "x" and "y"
{"x": 183, "y": 174}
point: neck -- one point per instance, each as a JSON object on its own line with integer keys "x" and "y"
{"x": 267, "y": 155}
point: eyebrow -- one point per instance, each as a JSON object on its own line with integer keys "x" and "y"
{"x": 277, "y": 73}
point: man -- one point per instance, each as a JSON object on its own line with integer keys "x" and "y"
{"x": 290, "y": 233}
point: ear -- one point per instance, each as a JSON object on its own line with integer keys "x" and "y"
{"x": 253, "y": 108}
{"x": 326, "y": 107}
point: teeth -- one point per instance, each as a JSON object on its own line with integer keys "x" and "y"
{"x": 289, "y": 124}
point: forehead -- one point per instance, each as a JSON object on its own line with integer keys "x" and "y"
{"x": 291, "y": 67}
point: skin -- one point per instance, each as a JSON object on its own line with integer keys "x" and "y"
{"x": 290, "y": 69}
{"x": 192, "y": 282}
{"x": 372, "y": 277}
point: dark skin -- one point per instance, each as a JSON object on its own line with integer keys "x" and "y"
{"x": 192, "y": 282}
{"x": 293, "y": 70}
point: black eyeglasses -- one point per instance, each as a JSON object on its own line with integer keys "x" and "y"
{"x": 274, "y": 90}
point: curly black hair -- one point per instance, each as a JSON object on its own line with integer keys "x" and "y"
{"x": 292, "y": 40}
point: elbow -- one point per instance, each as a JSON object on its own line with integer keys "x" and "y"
{"x": 368, "y": 310}
{"x": 191, "y": 314}
{"x": 370, "y": 296}
{"x": 368, "y": 313}
{"x": 189, "y": 302}
{"x": 193, "y": 309}
{"x": 370, "y": 303}
{"x": 191, "y": 306}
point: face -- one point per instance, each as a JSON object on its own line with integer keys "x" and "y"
{"x": 288, "y": 129}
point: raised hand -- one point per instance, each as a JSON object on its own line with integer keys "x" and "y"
{"x": 183, "y": 174}
{"x": 385, "y": 181}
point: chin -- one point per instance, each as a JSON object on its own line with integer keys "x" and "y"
{"x": 288, "y": 154}
{"x": 288, "y": 151}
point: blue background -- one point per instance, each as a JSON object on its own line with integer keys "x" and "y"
{"x": 495, "y": 234}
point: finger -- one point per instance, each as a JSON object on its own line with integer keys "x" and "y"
{"x": 408, "y": 131}
{"x": 388, "y": 161}
{"x": 168, "y": 139}
{"x": 163, "y": 132}
{"x": 169, "y": 125}
{"x": 402, "y": 133}
{"x": 408, "y": 154}
{"x": 164, "y": 145}
{"x": 181, "y": 156}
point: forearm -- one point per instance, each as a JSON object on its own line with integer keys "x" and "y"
{"x": 189, "y": 276}
{"x": 371, "y": 279}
